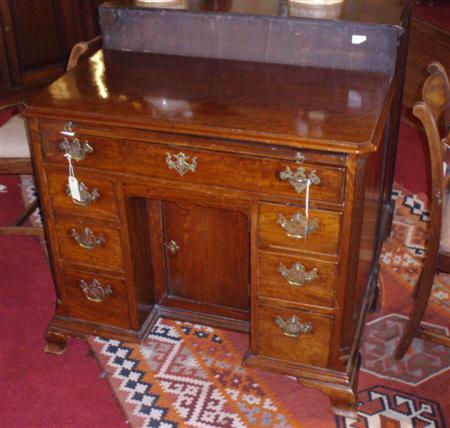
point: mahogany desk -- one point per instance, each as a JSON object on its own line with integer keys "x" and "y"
{"x": 194, "y": 203}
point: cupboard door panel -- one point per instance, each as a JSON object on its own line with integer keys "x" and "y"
{"x": 207, "y": 255}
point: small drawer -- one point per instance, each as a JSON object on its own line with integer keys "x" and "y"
{"x": 103, "y": 207}
{"x": 90, "y": 245}
{"x": 296, "y": 279}
{"x": 185, "y": 164}
{"x": 284, "y": 226}
{"x": 96, "y": 298}
{"x": 279, "y": 335}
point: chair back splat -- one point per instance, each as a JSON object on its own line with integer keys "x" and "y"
{"x": 434, "y": 113}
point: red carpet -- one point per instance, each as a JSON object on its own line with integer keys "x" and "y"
{"x": 411, "y": 169}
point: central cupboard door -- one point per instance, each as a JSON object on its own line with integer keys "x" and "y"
{"x": 207, "y": 256}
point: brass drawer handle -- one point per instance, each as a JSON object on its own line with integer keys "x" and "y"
{"x": 180, "y": 163}
{"x": 297, "y": 227}
{"x": 292, "y": 327}
{"x": 298, "y": 179}
{"x": 86, "y": 197}
{"x": 94, "y": 290}
{"x": 87, "y": 239}
{"x": 75, "y": 149}
{"x": 297, "y": 275}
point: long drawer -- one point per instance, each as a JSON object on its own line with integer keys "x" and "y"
{"x": 293, "y": 335}
{"x": 266, "y": 175}
{"x": 296, "y": 279}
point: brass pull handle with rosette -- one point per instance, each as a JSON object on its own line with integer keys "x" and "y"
{"x": 298, "y": 179}
{"x": 297, "y": 227}
{"x": 180, "y": 163}
{"x": 94, "y": 290}
{"x": 297, "y": 275}
{"x": 75, "y": 148}
{"x": 87, "y": 239}
{"x": 292, "y": 327}
{"x": 86, "y": 197}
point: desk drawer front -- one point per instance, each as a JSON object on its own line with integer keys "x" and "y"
{"x": 275, "y": 176}
{"x": 284, "y": 226}
{"x": 279, "y": 335}
{"x": 90, "y": 245}
{"x": 98, "y": 299}
{"x": 296, "y": 279}
{"x": 104, "y": 206}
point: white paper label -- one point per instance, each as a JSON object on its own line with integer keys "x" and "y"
{"x": 74, "y": 188}
{"x": 358, "y": 39}
{"x": 444, "y": 168}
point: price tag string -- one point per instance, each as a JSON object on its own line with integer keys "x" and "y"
{"x": 73, "y": 182}
{"x": 308, "y": 183}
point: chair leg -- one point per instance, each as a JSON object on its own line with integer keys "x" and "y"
{"x": 21, "y": 230}
{"x": 375, "y": 303}
{"x": 27, "y": 213}
{"x": 431, "y": 336}
{"x": 423, "y": 292}
{"x": 416, "y": 288}
{"x": 18, "y": 229}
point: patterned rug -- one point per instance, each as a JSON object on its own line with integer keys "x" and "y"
{"x": 188, "y": 375}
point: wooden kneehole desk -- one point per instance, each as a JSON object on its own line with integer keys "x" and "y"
{"x": 244, "y": 195}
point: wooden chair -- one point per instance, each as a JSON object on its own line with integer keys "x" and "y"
{"x": 14, "y": 149}
{"x": 434, "y": 113}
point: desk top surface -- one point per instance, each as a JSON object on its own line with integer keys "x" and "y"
{"x": 232, "y": 99}
{"x": 388, "y": 12}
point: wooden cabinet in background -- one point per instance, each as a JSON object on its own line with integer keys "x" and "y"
{"x": 36, "y": 37}
{"x": 427, "y": 43}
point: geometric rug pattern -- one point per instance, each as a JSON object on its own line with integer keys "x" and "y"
{"x": 188, "y": 375}
{"x": 29, "y": 194}
{"x": 386, "y": 407}
{"x": 402, "y": 255}
{"x": 197, "y": 380}
{"x": 423, "y": 361}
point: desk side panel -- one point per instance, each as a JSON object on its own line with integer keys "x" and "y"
{"x": 365, "y": 241}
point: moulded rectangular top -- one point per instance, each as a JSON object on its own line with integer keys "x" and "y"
{"x": 329, "y": 109}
